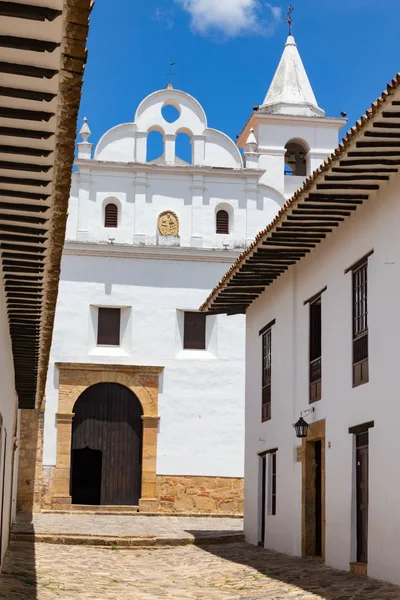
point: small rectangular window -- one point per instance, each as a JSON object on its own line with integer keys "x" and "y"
{"x": 360, "y": 324}
{"x": 315, "y": 335}
{"x": 109, "y": 326}
{"x": 266, "y": 376}
{"x": 194, "y": 337}
{"x": 272, "y": 487}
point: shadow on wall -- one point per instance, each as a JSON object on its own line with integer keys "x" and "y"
{"x": 18, "y": 578}
{"x": 143, "y": 273}
{"x": 306, "y": 574}
{"x": 30, "y": 461}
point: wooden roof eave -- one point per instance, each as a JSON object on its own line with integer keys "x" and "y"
{"x": 41, "y": 79}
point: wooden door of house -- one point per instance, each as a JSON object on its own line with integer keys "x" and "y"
{"x": 318, "y": 497}
{"x": 362, "y": 496}
{"x": 263, "y": 499}
{"x": 106, "y": 452}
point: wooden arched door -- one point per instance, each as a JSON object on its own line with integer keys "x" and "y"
{"x": 106, "y": 454}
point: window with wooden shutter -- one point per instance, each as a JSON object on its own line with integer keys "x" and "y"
{"x": 360, "y": 324}
{"x": 222, "y": 222}
{"x": 109, "y": 326}
{"x": 315, "y": 350}
{"x": 111, "y": 215}
{"x": 266, "y": 376}
{"x": 194, "y": 337}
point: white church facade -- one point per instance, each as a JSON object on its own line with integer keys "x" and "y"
{"x": 145, "y": 394}
{"x": 321, "y": 362}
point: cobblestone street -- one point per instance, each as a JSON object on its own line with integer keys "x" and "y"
{"x": 234, "y": 571}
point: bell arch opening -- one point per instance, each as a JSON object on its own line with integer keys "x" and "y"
{"x": 106, "y": 447}
{"x": 184, "y": 147}
{"x": 155, "y": 146}
{"x": 296, "y": 151}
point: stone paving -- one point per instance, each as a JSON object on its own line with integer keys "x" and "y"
{"x": 234, "y": 571}
{"x": 133, "y": 525}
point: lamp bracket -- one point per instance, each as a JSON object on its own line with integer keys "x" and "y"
{"x": 308, "y": 411}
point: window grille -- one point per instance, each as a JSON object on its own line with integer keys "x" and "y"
{"x": 222, "y": 225}
{"x": 360, "y": 324}
{"x": 266, "y": 376}
{"x": 111, "y": 215}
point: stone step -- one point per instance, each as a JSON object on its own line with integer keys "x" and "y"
{"x": 109, "y": 510}
{"x": 112, "y": 541}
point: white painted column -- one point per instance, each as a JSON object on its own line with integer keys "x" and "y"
{"x": 252, "y": 223}
{"x": 272, "y": 161}
{"x": 198, "y": 149}
{"x": 169, "y": 148}
{"x": 140, "y": 184}
{"x": 315, "y": 158}
{"x": 251, "y": 160}
{"x": 141, "y": 146}
{"x": 85, "y": 180}
{"x": 197, "y": 188}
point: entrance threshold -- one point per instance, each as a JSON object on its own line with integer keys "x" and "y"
{"x": 90, "y": 509}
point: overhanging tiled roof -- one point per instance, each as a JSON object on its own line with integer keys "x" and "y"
{"x": 43, "y": 52}
{"x": 368, "y": 156}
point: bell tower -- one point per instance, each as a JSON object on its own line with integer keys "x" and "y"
{"x": 290, "y": 134}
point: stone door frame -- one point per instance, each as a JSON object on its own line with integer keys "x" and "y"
{"x": 75, "y": 378}
{"x": 316, "y": 432}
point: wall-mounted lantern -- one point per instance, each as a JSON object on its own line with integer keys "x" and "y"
{"x": 301, "y": 426}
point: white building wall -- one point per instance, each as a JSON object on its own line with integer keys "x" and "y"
{"x": 8, "y": 411}
{"x": 201, "y": 400}
{"x": 193, "y": 194}
{"x": 372, "y": 226}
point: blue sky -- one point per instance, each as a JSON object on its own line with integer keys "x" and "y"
{"x": 226, "y": 52}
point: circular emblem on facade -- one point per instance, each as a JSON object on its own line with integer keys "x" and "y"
{"x": 168, "y": 223}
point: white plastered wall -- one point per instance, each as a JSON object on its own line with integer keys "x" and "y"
{"x": 201, "y": 401}
{"x": 372, "y": 226}
{"x": 8, "y": 410}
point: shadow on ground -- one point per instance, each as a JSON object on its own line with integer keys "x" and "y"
{"x": 18, "y": 574}
{"x": 311, "y": 576}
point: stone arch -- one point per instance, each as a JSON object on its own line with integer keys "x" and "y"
{"x": 67, "y": 401}
{"x": 74, "y": 379}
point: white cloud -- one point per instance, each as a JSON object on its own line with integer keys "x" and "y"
{"x": 232, "y": 17}
{"x": 164, "y": 17}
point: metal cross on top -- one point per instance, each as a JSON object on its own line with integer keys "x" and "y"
{"x": 289, "y": 19}
{"x": 170, "y": 74}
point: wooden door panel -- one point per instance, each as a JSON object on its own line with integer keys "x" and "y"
{"x": 362, "y": 497}
{"x": 108, "y": 418}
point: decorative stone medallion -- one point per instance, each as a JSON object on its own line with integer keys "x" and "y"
{"x": 168, "y": 223}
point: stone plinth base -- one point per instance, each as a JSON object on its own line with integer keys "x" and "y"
{"x": 359, "y": 568}
{"x": 149, "y": 505}
{"x": 61, "y": 502}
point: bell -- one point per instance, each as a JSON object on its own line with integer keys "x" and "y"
{"x": 291, "y": 158}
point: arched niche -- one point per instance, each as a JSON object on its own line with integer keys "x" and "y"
{"x": 296, "y": 151}
{"x": 111, "y": 200}
{"x": 219, "y": 218}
